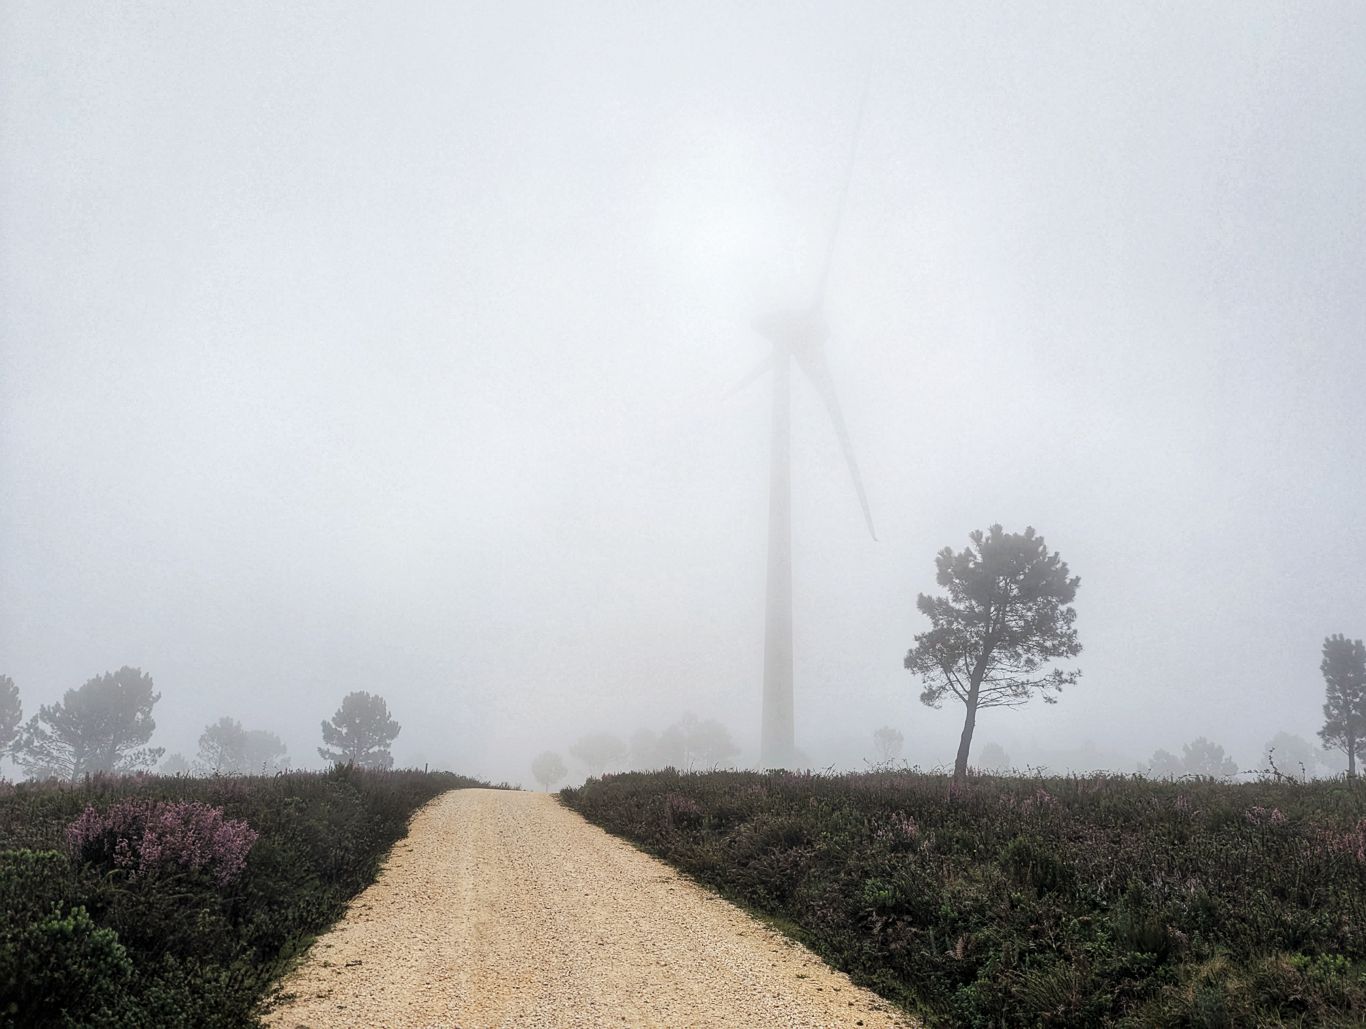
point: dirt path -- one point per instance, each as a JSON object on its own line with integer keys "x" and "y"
{"x": 505, "y": 909}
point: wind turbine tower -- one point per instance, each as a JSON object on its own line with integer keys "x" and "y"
{"x": 797, "y": 337}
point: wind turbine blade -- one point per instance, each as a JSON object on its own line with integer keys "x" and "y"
{"x": 818, "y": 372}
{"x": 765, "y": 365}
{"x": 844, "y": 195}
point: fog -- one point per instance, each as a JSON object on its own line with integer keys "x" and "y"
{"x": 392, "y": 348}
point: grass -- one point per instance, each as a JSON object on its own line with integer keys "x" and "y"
{"x": 1103, "y": 900}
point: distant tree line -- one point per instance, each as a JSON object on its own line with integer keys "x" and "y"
{"x": 106, "y": 725}
{"x": 690, "y": 743}
{"x": 1005, "y": 614}
{"x": 226, "y": 748}
{"x": 1200, "y": 758}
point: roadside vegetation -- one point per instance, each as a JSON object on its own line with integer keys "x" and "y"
{"x": 147, "y": 900}
{"x": 1036, "y": 901}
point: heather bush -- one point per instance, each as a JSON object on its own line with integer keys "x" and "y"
{"x": 1028, "y": 901}
{"x": 171, "y": 901}
{"x": 145, "y": 837}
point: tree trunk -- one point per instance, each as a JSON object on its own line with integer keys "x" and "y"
{"x": 1351, "y": 759}
{"x": 960, "y": 764}
{"x": 979, "y": 671}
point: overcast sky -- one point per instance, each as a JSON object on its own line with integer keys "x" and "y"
{"x": 388, "y": 347}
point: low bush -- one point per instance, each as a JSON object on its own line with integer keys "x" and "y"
{"x": 1027, "y": 901}
{"x": 157, "y": 837}
{"x": 172, "y": 901}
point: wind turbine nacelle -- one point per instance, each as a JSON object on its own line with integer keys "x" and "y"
{"x": 797, "y": 331}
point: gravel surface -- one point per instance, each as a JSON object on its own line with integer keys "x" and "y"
{"x": 505, "y": 909}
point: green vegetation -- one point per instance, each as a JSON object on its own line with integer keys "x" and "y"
{"x": 1030, "y": 901}
{"x": 171, "y": 901}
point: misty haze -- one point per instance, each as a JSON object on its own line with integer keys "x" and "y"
{"x": 967, "y": 397}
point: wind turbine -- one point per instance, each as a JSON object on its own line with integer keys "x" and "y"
{"x": 797, "y": 336}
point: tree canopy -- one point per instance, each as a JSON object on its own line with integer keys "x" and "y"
{"x": 1293, "y": 757}
{"x": 690, "y": 742}
{"x": 1207, "y": 759}
{"x": 1200, "y": 757}
{"x": 993, "y": 758}
{"x": 888, "y": 741}
{"x": 1165, "y": 765}
{"x": 176, "y": 764}
{"x": 102, "y": 727}
{"x": 11, "y": 713}
{"x": 706, "y": 742}
{"x": 361, "y": 732}
{"x": 1005, "y": 615}
{"x": 598, "y": 751}
{"x": 227, "y": 748}
{"x": 548, "y": 768}
{"x": 223, "y": 747}
{"x": 1344, "y": 708}
{"x": 264, "y": 753}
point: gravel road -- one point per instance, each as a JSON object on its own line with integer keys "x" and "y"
{"x": 505, "y": 909}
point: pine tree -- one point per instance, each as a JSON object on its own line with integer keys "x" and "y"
{"x": 360, "y": 732}
{"x": 1344, "y": 709}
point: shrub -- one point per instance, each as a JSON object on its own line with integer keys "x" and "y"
{"x": 131, "y": 901}
{"x": 150, "y": 836}
{"x": 1025, "y": 901}
{"x": 57, "y": 967}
